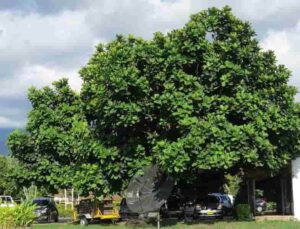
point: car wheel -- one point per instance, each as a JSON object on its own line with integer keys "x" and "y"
{"x": 49, "y": 218}
{"x": 56, "y": 218}
{"x": 187, "y": 218}
{"x": 195, "y": 215}
{"x": 219, "y": 217}
{"x": 180, "y": 216}
{"x": 83, "y": 222}
{"x": 114, "y": 221}
{"x": 259, "y": 209}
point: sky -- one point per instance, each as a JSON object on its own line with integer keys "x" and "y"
{"x": 45, "y": 40}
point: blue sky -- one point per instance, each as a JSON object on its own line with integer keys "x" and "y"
{"x": 44, "y": 40}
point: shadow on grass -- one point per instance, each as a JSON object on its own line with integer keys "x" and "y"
{"x": 172, "y": 221}
{"x": 152, "y": 223}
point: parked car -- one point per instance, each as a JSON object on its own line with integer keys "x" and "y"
{"x": 45, "y": 209}
{"x": 125, "y": 212}
{"x": 260, "y": 205}
{"x": 226, "y": 201}
{"x": 6, "y": 201}
{"x": 212, "y": 206}
{"x": 174, "y": 207}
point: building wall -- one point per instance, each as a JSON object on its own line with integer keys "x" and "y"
{"x": 296, "y": 187}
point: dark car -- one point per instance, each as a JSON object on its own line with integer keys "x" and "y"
{"x": 125, "y": 212}
{"x": 174, "y": 207}
{"x": 45, "y": 209}
{"x": 212, "y": 206}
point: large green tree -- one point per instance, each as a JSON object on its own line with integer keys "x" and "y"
{"x": 203, "y": 97}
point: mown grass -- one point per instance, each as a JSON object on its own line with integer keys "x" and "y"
{"x": 200, "y": 225}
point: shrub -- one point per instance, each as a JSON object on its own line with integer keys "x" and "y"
{"x": 243, "y": 212}
{"x": 271, "y": 207}
{"x": 65, "y": 213}
{"x": 19, "y": 216}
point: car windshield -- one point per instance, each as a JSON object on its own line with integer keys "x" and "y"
{"x": 212, "y": 200}
{"x": 41, "y": 202}
{"x": 224, "y": 198}
{"x": 208, "y": 200}
{"x": 4, "y": 199}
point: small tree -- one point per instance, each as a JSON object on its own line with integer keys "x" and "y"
{"x": 232, "y": 184}
{"x": 57, "y": 150}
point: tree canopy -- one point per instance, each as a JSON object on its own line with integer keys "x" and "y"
{"x": 203, "y": 97}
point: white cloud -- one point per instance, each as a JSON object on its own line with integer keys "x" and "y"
{"x": 38, "y": 76}
{"x": 285, "y": 44}
{"x": 277, "y": 41}
{"x": 107, "y": 18}
{"x": 54, "y": 39}
{"x": 35, "y": 50}
{"x": 10, "y": 123}
{"x": 13, "y": 104}
{"x": 254, "y": 10}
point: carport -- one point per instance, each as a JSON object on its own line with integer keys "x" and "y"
{"x": 283, "y": 188}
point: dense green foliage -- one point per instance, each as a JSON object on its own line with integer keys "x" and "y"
{"x": 271, "y": 207}
{"x": 243, "y": 212}
{"x": 203, "y": 97}
{"x": 8, "y": 185}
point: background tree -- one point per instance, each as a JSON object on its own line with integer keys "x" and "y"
{"x": 56, "y": 150}
{"x": 8, "y": 185}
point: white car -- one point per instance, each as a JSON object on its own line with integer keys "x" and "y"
{"x": 226, "y": 199}
{"x": 214, "y": 205}
{"x": 6, "y": 201}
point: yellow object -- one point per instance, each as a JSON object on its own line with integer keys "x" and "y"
{"x": 92, "y": 209}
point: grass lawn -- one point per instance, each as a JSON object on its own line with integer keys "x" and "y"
{"x": 208, "y": 225}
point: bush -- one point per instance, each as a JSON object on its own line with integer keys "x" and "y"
{"x": 65, "y": 213}
{"x": 19, "y": 216}
{"x": 243, "y": 212}
{"x": 271, "y": 207}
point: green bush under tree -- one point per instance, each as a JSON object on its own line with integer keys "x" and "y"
{"x": 243, "y": 212}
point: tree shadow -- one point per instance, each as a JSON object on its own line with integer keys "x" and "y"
{"x": 173, "y": 221}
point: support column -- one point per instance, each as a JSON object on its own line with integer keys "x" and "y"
{"x": 251, "y": 194}
{"x": 72, "y": 198}
{"x": 66, "y": 199}
{"x": 296, "y": 187}
{"x": 283, "y": 196}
